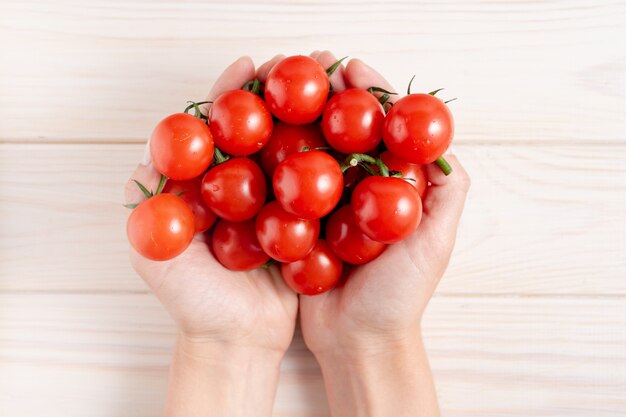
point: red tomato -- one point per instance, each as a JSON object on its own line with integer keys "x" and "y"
{"x": 415, "y": 173}
{"x": 203, "y": 217}
{"x": 181, "y": 147}
{"x": 308, "y": 184}
{"x": 347, "y": 240}
{"x": 353, "y": 121}
{"x": 314, "y": 274}
{"x": 235, "y": 190}
{"x": 283, "y": 236}
{"x": 236, "y": 247}
{"x": 296, "y": 90}
{"x": 240, "y": 122}
{"x": 386, "y": 209}
{"x": 161, "y": 227}
{"x": 288, "y": 139}
{"x": 418, "y": 128}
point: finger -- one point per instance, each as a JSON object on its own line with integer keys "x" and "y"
{"x": 233, "y": 78}
{"x": 264, "y": 70}
{"x": 314, "y": 54}
{"x": 327, "y": 59}
{"x": 146, "y": 175}
{"x": 444, "y": 202}
{"x": 360, "y": 75}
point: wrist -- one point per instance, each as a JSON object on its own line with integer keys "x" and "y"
{"x": 228, "y": 353}
{"x": 221, "y": 379}
{"x": 390, "y": 378}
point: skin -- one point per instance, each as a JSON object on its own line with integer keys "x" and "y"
{"x": 234, "y": 327}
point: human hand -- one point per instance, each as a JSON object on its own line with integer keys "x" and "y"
{"x": 368, "y": 329}
{"x": 234, "y": 327}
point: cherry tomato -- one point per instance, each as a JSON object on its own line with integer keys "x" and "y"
{"x": 347, "y": 240}
{"x": 288, "y": 139}
{"x": 418, "y": 128}
{"x": 161, "y": 227}
{"x": 353, "y": 121}
{"x": 314, "y": 274}
{"x": 283, "y": 236}
{"x": 240, "y": 122}
{"x": 181, "y": 146}
{"x": 235, "y": 190}
{"x": 413, "y": 173}
{"x": 308, "y": 184}
{"x": 203, "y": 217}
{"x": 386, "y": 209}
{"x": 236, "y": 247}
{"x": 296, "y": 90}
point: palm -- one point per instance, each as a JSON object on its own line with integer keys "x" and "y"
{"x": 387, "y": 295}
{"x": 207, "y": 300}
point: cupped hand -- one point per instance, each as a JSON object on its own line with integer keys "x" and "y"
{"x": 209, "y": 303}
{"x": 381, "y": 303}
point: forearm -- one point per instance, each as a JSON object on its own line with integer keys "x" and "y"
{"x": 211, "y": 380}
{"x": 394, "y": 381}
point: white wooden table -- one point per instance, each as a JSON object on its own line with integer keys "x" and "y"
{"x": 530, "y": 319}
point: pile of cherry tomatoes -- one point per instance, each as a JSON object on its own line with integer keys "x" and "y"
{"x": 294, "y": 173}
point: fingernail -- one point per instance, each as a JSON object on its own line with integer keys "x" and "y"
{"x": 147, "y": 159}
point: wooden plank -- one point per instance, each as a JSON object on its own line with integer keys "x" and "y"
{"x": 539, "y": 220}
{"x": 492, "y": 356}
{"x": 108, "y": 70}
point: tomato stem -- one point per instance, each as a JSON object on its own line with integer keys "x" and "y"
{"x": 162, "y": 182}
{"x": 432, "y": 93}
{"x": 447, "y": 101}
{"x": 269, "y": 263}
{"x": 196, "y": 108}
{"x": 444, "y": 165}
{"x": 253, "y": 86}
{"x": 219, "y": 157}
{"x": 334, "y": 67}
{"x": 408, "y": 89}
{"x": 143, "y": 189}
{"x": 365, "y": 161}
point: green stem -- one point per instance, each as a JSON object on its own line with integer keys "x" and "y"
{"x": 432, "y": 93}
{"x": 143, "y": 189}
{"x": 162, "y": 182}
{"x": 355, "y": 159}
{"x": 408, "y": 89}
{"x": 444, "y": 165}
{"x": 219, "y": 157}
{"x": 196, "y": 107}
{"x": 334, "y": 67}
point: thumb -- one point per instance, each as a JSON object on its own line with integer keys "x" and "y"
{"x": 443, "y": 206}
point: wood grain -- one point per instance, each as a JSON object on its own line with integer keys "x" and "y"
{"x": 495, "y": 356}
{"x": 539, "y": 220}
{"x": 524, "y": 71}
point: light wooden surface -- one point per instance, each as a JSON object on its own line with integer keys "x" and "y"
{"x": 530, "y": 319}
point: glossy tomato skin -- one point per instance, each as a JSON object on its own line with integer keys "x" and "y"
{"x": 235, "y": 190}
{"x": 181, "y": 147}
{"x": 308, "y": 184}
{"x": 289, "y": 139}
{"x": 386, "y": 209}
{"x": 413, "y": 173}
{"x": 283, "y": 236}
{"x": 316, "y": 273}
{"x": 418, "y": 128}
{"x": 236, "y": 246}
{"x": 203, "y": 217}
{"x": 161, "y": 227}
{"x": 240, "y": 122}
{"x": 347, "y": 240}
{"x": 353, "y": 121}
{"x": 296, "y": 90}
